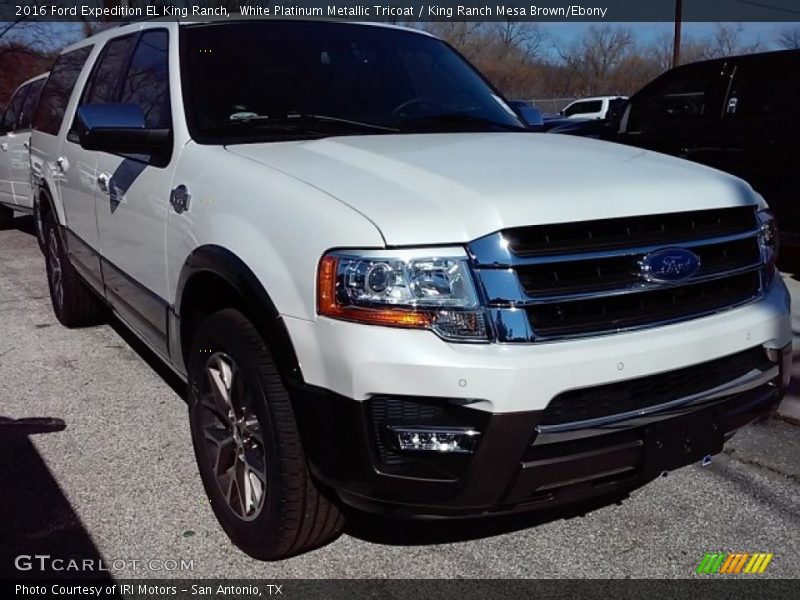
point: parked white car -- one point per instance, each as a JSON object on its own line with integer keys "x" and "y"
{"x": 591, "y": 108}
{"x": 15, "y": 133}
{"x": 382, "y": 289}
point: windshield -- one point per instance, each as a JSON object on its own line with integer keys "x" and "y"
{"x": 288, "y": 80}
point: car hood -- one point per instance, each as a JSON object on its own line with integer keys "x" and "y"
{"x": 453, "y": 188}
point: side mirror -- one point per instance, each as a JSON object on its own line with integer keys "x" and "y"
{"x": 119, "y": 129}
{"x": 532, "y": 116}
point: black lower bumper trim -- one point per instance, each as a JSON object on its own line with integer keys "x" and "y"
{"x": 509, "y": 472}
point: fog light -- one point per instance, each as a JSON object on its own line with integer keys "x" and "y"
{"x": 433, "y": 439}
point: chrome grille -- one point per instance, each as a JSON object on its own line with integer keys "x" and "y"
{"x": 581, "y": 279}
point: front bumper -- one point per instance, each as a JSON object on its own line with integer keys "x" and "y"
{"x": 354, "y": 375}
{"x": 521, "y": 463}
{"x": 359, "y": 361}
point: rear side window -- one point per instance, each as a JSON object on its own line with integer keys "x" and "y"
{"x": 58, "y": 90}
{"x": 30, "y": 104}
{"x": 103, "y": 84}
{"x": 766, "y": 87}
{"x": 583, "y": 108}
{"x": 147, "y": 81}
{"x": 11, "y": 116}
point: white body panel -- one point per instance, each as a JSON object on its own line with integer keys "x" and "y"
{"x": 44, "y": 170}
{"x": 132, "y": 213}
{"x": 358, "y": 361}
{"x": 6, "y": 188}
{"x": 450, "y": 188}
{"x": 279, "y": 226}
{"x": 76, "y": 188}
{"x": 16, "y": 157}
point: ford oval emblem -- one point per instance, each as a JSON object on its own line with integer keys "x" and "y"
{"x": 670, "y": 265}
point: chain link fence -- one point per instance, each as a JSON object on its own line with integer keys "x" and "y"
{"x": 550, "y": 106}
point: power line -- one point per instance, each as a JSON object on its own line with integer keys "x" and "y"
{"x": 768, "y": 6}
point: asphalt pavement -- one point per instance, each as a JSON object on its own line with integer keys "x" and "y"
{"x": 96, "y": 462}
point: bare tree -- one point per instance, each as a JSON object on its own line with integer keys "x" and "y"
{"x": 790, "y": 39}
{"x": 605, "y": 47}
{"x": 526, "y": 39}
{"x": 727, "y": 41}
{"x": 591, "y": 63}
{"x": 660, "y": 51}
{"x": 463, "y": 35}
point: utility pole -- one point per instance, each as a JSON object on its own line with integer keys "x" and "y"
{"x": 676, "y": 42}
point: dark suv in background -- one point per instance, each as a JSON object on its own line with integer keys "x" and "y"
{"x": 739, "y": 114}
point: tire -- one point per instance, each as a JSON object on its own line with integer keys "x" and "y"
{"x": 6, "y": 217}
{"x": 251, "y": 459}
{"x": 73, "y": 303}
{"x": 38, "y": 227}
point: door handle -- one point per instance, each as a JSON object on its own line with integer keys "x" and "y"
{"x": 26, "y": 145}
{"x": 3, "y": 146}
{"x": 102, "y": 182}
{"x": 62, "y": 163}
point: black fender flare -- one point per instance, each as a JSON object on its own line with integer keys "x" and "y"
{"x": 223, "y": 263}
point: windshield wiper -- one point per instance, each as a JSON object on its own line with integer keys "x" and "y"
{"x": 455, "y": 119}
{"x": 310, "y": 118}
{"x": 291, "y": 121}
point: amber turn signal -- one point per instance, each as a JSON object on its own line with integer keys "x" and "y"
{"x": 330, "y": 307}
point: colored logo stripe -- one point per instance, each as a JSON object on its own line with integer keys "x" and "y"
{"x": 758, "y": 563}
{"x": 733, "y": 563}
{"x": 711, "y": 562}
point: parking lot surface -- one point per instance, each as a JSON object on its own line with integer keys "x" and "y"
{"x": 96, "y": 462}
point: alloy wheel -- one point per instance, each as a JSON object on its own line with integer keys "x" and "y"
{"x": 56, "y": 275}
{"x": 232, "y": 437}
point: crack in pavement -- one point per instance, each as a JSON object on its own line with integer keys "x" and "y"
{"x": 731, "y": 453}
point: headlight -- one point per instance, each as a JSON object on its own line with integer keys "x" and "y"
{"x": 768, "y": 240}
{"x": 403, "y": 288}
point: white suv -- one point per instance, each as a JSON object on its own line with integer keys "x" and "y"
{"x": 382, "y": 290}
{"x": 592, "y": 108}
{"x": 15, "y": 134}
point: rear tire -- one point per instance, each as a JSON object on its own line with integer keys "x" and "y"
{"x": 6, "y": 217}
{"x": 38, "y": 226}
{"x": 248, "y": 447}
{"x": 73, "y": 303}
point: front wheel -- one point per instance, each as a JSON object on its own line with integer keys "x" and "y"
{"x": 248, "y": 447}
